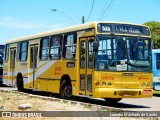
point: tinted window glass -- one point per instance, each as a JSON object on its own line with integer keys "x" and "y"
{"x": 70, "y": 46}
{"x": 55, "y": 47}
{"x": 23, "y": 51}
{"x": 44, "y": 50}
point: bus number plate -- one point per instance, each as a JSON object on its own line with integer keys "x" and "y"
{"x": 127, "y": 74}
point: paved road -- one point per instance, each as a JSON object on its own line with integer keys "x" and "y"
{"x": 134, "y": 104}
{"x": 141, "y": 104}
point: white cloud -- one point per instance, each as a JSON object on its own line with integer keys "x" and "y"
{"x": 17, "y": 24}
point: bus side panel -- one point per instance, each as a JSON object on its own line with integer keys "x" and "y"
{"x": 156, "y": 72}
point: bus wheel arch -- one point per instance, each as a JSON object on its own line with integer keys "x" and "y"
{"x": 65, "y": 87}
{"x": 20, "y": 84}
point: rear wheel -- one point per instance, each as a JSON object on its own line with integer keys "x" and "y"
{"x": 65, "y": 90}
{"x": 20, "y": 83}
{"x": 112, "y": 100}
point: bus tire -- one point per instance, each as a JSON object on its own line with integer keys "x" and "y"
{"x": 65, "y": 90}
{"x": 112, "y": 100}
{"x": 20, "y": 83}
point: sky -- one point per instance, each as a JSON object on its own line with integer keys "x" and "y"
{"x": 26, "y": 17}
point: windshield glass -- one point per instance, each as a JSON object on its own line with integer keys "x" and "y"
{"x": 123, "y": 53}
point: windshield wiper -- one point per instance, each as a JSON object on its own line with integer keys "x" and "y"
{"x": 141, "y": 64}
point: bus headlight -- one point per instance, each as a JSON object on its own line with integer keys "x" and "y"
{"x": 143, "y": 84}
{"x": 148, "y": 84}
{"x": 109, "y": 84}
{"x": 103, "y": 83}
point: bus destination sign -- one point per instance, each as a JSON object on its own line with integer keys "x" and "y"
{"x": 123, "y": 29}
{"x": 128, "y": 29}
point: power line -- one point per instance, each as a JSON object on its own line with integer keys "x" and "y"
{"x": 103, "y": 8}
{"x": 91, "y": 10}
{"x": 109, "y": 10}
{"x": 86, "y": 6}
{"x": 106, "y": 9}
{"x": 54, "y": 10}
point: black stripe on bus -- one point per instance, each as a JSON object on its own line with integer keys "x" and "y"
{"x": 53, "y": 79}
{"x": 48, "y": 79}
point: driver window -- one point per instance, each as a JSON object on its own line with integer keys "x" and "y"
{"x": 104, "y": 55}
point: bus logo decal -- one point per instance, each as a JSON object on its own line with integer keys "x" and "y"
{"x": 141, "y": 78}
{"x": 107, "y": 77}
{"x": 57, "y": 70}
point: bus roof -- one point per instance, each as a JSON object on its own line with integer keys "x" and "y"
{"x": 64, "y": 30}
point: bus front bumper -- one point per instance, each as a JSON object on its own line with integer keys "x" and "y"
{"x": 122, "y": 93}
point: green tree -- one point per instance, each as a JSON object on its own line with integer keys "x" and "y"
{"x": 155, "y": 32}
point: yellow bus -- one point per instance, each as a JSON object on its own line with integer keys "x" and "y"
{"x": 110, "y": 60}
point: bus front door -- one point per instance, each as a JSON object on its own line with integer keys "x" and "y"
{"x": 33, "y": 64}
{"x": 12, "y": 66}
{"x": 85, "y": 65}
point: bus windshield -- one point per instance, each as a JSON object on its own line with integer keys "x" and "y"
{"x": 122, "y": 53}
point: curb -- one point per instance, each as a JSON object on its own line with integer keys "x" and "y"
{"x": 90, "y": 106}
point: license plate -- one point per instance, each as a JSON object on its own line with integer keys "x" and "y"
{"x": 147, "y": 91}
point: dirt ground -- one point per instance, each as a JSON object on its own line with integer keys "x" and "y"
{"x": 11, "y": 101}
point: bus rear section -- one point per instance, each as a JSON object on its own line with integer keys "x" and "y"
{"x": 1, "y": 62}
{"x": 156, "y": 68}
{"x": 1, "y": 76}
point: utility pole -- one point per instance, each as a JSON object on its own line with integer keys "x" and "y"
{"x": 82, "y": 19}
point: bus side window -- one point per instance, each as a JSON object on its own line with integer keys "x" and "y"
{"x": 6, "y": 53}
{"x": 23, "y": 51}
{"x": 44, "y": 48}
{"x": 69, "y": 49}
{"x": 18, "y": 50}
{"x": 55, "y": 47}
{"x": 22, "y": 48}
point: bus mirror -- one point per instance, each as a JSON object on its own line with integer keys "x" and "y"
{"x": 95, "y": 46}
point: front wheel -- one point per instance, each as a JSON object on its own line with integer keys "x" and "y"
{"x": 65, "y": 90}
{"x": 112, "y": 100}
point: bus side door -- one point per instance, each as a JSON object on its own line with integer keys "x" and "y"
{"x": 12, "y": 66}
{"x": 33, "y": 63}
{"x": 85, "y": 65}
